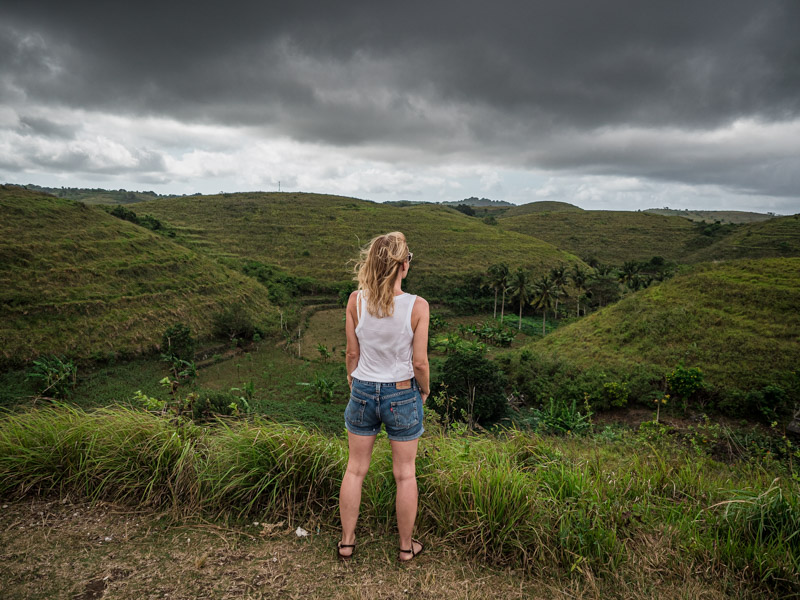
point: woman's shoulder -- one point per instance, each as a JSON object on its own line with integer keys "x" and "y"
{"x": 420, "y": 303}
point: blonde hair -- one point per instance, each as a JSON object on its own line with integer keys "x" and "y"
{"x": 377, "y": 269}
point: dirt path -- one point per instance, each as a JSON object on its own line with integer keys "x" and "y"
{"x": 60, "y": 549}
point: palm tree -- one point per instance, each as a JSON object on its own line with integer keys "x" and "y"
{"x": 545, "y": 296}
{"x": 579, "y": 276}
{"x": 559, "y": 277}
{"x": 519, "y": 288}
{"x": 628, "y": 271}
{"x": 498, "y": 277}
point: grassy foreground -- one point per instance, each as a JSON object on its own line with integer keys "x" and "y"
{"x": 549, "y": 507}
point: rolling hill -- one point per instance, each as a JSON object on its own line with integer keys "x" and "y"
{"x": 709, "y": 216}
{"x": 773, "y": 238}
{"x": 609, "y": 236}
{"x": 76, "y": 280}
{"x": 318, "y": 236}
{"x": 739, "y": 321}
{"x": 541, "y": 207}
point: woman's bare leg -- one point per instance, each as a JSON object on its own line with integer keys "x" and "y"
{"x": 404, "y": 466}
{"x": 350, "y": 493}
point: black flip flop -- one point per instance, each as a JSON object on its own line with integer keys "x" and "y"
{"x": 411, "y": 552}
{"x": 341, "y": 556}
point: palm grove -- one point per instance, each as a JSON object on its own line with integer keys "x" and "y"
{"x": 583, "y": 288}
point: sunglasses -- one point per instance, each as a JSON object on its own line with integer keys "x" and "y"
{"x": 410, "y": 256}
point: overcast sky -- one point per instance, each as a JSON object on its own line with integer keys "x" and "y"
{"x": 611, "y": 105}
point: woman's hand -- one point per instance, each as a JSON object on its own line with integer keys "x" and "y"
{"x": 424, "y": 396}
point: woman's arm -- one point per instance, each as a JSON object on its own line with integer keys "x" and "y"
{"x": 420, "y": 317}
{"x": 353, "y": 349}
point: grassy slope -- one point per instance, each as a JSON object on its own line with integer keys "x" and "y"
{"x": 610, "y": 236}
{"x": 541, "y": 207}
{"x": 739, "y": 321}
{"x": 723, "y": 216}
{"x": 774, "y": 238}
{"x": 76, "y": 280}
{"x": 315, "y": 235}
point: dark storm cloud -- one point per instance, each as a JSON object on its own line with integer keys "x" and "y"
{"x": 483, "y": 81}
{"x": 29, "y": 125}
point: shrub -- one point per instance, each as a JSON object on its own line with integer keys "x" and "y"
{"x": 57, "y": 376}
{"x": 177, "y": 341}
{"x": 235, "y": 323}
{"x": 561, "y": 417}
{"x": 208, "y": 405}
{"x": 616, "y": 393}
{"x": 476, "y": 385}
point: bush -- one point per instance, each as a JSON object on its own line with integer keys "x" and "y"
{"x": 475, "y": 385}
{"x": 561, "y": 417}
{"x": 177, "y": 341}
{"x": 684, "y": 382}
{"x": 235, "y": 323}
{"x": 57, "y": 376}
{"x": 208, "y": 405}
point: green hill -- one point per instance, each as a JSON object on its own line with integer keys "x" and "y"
{"x": 774, "y": 238}
{"x": 76, "y": 280}
{"x": 541, "y": 207}
{"x": 738, "y": 321}
{"x": 95, "y": 195}
{"x": 709, "y": 216}
{"x": 317, "y": 236}
{"x": 610, "y": 236}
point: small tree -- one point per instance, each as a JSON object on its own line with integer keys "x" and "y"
{"x": 579, "y": 276}
{"x": 498, "y": 276}
{"x": 545, "y": 295}
{"x": 558, "y": 275}
{"x": 519, "y": 289}
{"x": 177, "y": 341}
{"x": 475, "y": 385}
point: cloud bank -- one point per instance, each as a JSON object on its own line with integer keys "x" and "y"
{"x": 686, "y": 102}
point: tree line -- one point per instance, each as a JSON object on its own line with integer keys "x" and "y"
{"x": 594, "y": 287}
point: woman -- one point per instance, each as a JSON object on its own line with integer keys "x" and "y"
{"x": 389, "y": 377}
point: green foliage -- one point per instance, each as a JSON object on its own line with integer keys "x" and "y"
{"x": 685, "y": 383}
{"x": 616, "y": 393}
{"x": 437, "y": 322}
{"x": 235, "y": 323}
{"x": 324, "y": 353}
{"x": 148, "y": 221}
{"x": 475, "y": 384}
{"x": 490, "y": 332}
{"x": 56, "y": 376}
{"x": 772, "y": 402}
{"x": 560, "y": 417}
{"x": 323, "y": 389}
{"x": 177, "y": 341}
{"x": 207, "y": 405}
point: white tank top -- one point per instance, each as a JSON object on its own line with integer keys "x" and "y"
{"x": 385, "y": 343}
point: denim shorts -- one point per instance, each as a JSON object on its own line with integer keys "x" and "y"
{"x": 372, "y": 403}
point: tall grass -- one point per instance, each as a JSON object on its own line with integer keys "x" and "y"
{"x": 544, "y": 504}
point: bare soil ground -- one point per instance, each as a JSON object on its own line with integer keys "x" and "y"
{"x": 54, "y": 549}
